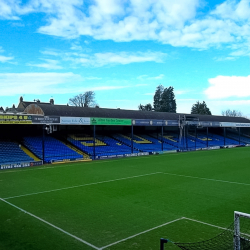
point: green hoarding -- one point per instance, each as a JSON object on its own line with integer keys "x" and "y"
{"x": 110, "y": 121}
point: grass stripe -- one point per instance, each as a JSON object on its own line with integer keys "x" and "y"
{"x": 83, "y": 185}
{"x": 135, "y": 235}
{"x": 208, "y": 179}
{"x": 46, "y": 222}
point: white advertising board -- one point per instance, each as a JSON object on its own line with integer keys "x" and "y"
{"x": 74, "y": 120}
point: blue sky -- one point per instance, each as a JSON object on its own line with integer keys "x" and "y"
{"x": 123, "y": 49}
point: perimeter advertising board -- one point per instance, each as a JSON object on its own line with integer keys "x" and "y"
{"x": 20, "y": 165}
{"x": 75, "y": 120}
{"x": 243, "y": 125}
{"x": 203, "y": 123}
{"x": 173, "y": 123}
{"x": 15, "y": 119}
{"x": 103, "y": 157}
{"x": 232, "y": 124}
{"x": 146, "y": 122}
{"x": 36, "y": 119}
{"x": 110, "y": 121}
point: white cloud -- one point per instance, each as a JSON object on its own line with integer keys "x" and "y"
{"x": 217, "y": 106}
{"x": 101, "y": 59}
{"x": 146, "y": 77}
{"x": 228, "y": 86}
{"x": 174, "y": 22}
{"x": 49, "y": 83}
{"x": 49, "y": 64}
{"x": 76, "y": 46}
{"x": 36, "y": 83}
{"x": 7, "y": 11}
{"x": 108, "y": 58}
{"x": 51, "y": 52}
{"x": 4, "y": 59}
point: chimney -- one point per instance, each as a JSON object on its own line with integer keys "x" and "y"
{"x": 21, "y": 99}
{"x": 51, "y": 101}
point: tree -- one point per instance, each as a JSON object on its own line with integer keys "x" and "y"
{"x": 147, "y": 107}
{"x": 158, "y": 97}
{"x": 168, "y": 103}
{"x": 86, "y": 99}
{"x": 200, "y": 108}
{"x": 164, "y": 99}
{"x": 232, "y": 113}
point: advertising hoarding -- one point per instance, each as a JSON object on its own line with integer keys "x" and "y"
{"x": 15, "y": 119}
{"x": 74, "y": 120}
{"x": 110, "y": 121}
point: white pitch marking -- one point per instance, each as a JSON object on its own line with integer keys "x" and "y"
{"x": 46, "y": 222}
{"x": 207, "y": 179}
{"x": 83, "y": 185}
{"x": 130, "y": 237}
{"x": 92, "y": 162}
{"x": 205, "y": 223}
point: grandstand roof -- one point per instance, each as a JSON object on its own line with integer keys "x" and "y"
{"x": 71, "y": 111}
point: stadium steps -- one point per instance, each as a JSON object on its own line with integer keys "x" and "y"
{"x": 71, "y": 146}
{"x": 29, "y": 153}
{"x": 143, "y": 140}
{"x": 124, "y": 142}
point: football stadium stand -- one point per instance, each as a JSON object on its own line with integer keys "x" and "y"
{"x": 104, "y": 145}
{"x": 53, "y": 149}
{"x": 39, "y": 131}
{"x": 11, "y": 152}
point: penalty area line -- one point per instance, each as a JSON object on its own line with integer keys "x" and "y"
{"x": 207, "y": 179}
{"x": 48, "y": 223}
{"x": 135, "y": 235}
{"x": 205, "y": 223}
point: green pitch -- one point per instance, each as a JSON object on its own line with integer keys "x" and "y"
{"x": 127, "y": 203}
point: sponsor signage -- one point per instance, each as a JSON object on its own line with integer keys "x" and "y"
{"x": 15, "y": 119}
{"x": 20, "y": 165}
{"x": 145, "y": 122}
{"x": 36, "y": 163}
{"x": 110, "y": 121}
{"x": 203, "y": 124}
{"x": 242, "y": 124}
{"x": 66, "y": 160}
{"x": 120, "y": 156}
{"x": 141, "y": 122}
{"x": 231, "y": 124}
{"x": 45, "y": 119}
{"x": 75, "y": 120}
{"x": 227, "y": 124}
{"x": 214, "y": 147}
{"x": 169, "y": 151}
{"x": 171, "y": 123}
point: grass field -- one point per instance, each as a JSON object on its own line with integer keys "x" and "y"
{"x": 127, "y": 203}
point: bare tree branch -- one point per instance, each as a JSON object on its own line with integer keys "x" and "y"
{"x": 232, "y": 113}
{"x": 86, "y": 99}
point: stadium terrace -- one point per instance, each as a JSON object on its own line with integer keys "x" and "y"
{"x": 36, "y": 133}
